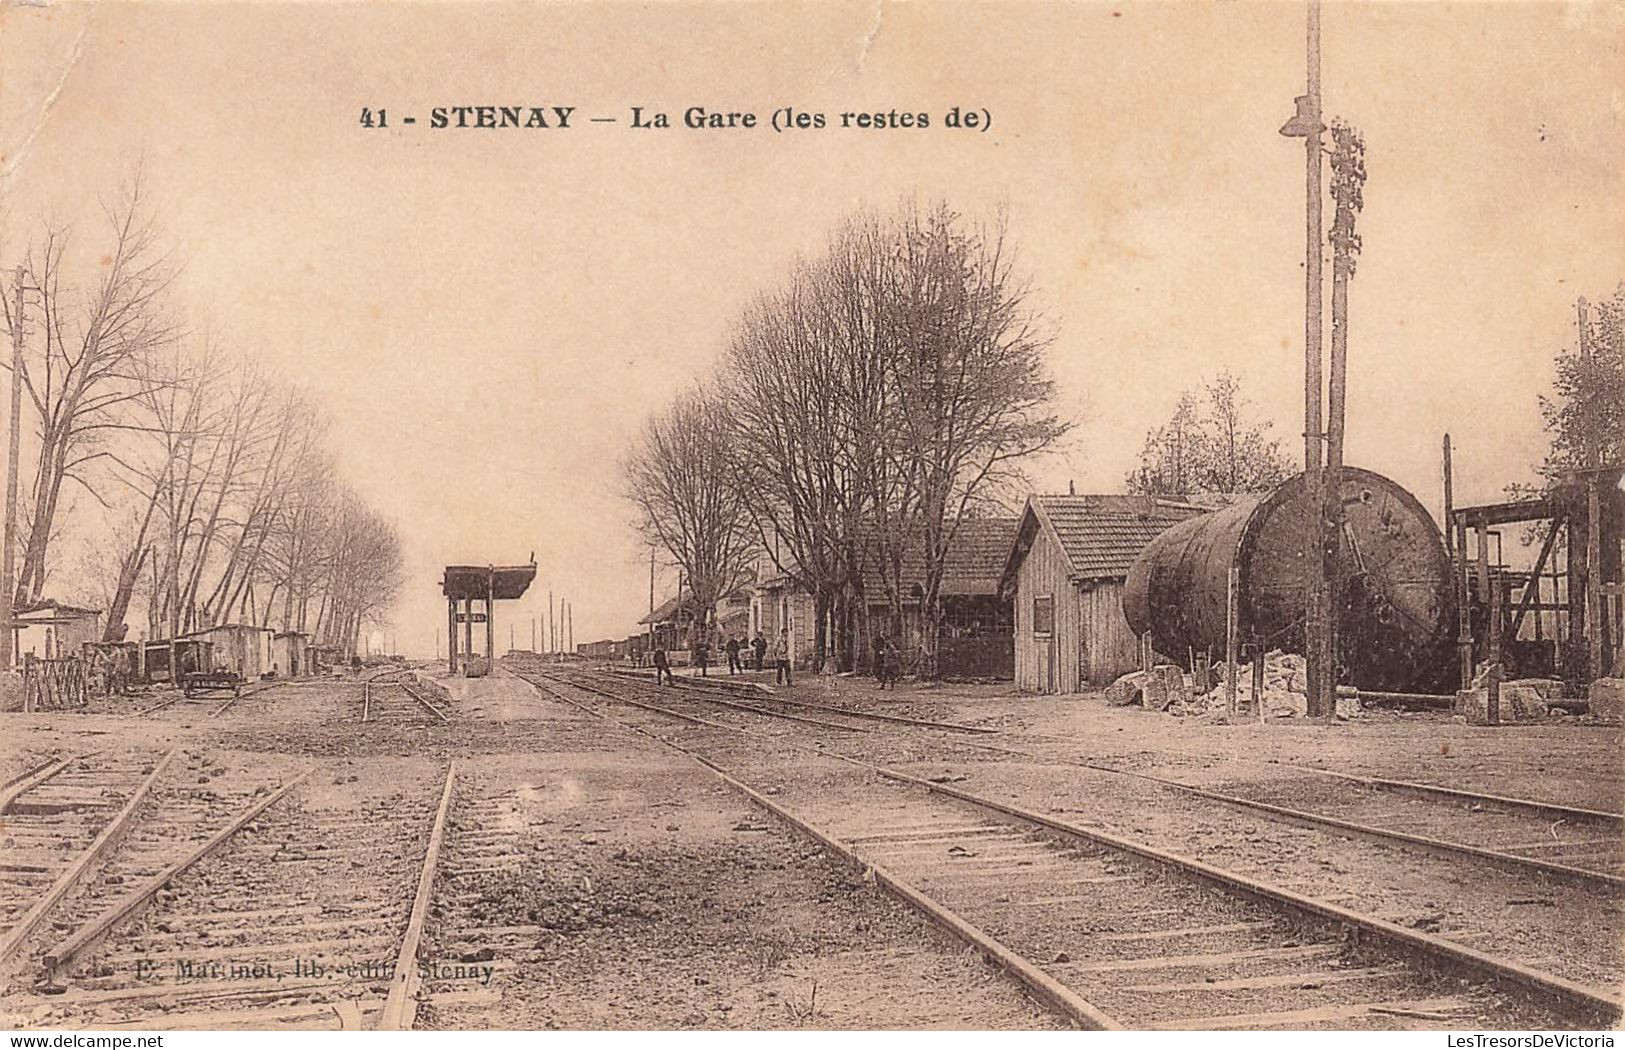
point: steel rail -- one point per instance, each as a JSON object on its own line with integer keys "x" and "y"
{"x": 23, "y": 783}
{"x": 1546, "y": 809}
{"x": 71, "y": 875}
{"x": 1594, "y": 1005}
{"x": 1436, "y": 846}
{"x": 1045, "y": 988}
{"x": 400, "y": 1006}
{"x": 753, "y": 709}
{"x": 1302, "y": 818}
{"x": 415, "y": 695}
{"x": 61, "y": 956}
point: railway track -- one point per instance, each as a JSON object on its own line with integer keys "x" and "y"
{"x": 56, "y": 821}
{"x": 397, "y": 700}
{"x": 245, "y": 905}
{"x": 1130, "y": 935}
{"x": 1526, "y": 837}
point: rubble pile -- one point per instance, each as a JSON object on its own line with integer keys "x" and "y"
{"x": 1522, "y": 700}
{"x": 1607, "y": 699}
{"x": 1167, "y": 688}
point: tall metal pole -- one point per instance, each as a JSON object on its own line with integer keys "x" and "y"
{"x": 651, "y": 599}
{"x": 8, "y": 562}
{"x": 552, "y": 627}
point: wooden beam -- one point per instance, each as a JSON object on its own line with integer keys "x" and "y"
{"x": 1510, "y": 513}
{"x": 1531, "y": 590}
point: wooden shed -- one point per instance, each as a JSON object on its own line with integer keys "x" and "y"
{"x": 239, "y": 647}
{"x": 1065, "y": 573}
{"x": 288, "y": 657}
{"x": 52, "y": 630}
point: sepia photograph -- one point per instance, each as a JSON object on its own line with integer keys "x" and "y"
{"x": 952, "y": 516}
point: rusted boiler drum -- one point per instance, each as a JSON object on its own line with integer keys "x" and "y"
{"x": 1397, "y": 615}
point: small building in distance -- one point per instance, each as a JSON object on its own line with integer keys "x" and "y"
{"x": 779, "y": 603}
{"x": 52, "y": 630}
{"x": 975, "y": 637}
{"x": 1065, "y": 573}
{"x": 672, "y": 622}
{"x": 241, "y": 648}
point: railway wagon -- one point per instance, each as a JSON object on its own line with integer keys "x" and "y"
{"x": 1397, "y": 615}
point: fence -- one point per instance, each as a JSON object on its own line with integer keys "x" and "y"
{"x": 53, "y": 685}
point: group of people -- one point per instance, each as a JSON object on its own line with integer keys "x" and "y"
{"x": 756, "y": 653}
{"x": 742, "y": 655}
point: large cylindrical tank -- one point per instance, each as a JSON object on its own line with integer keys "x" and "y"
{"x": 1397, "y": 617}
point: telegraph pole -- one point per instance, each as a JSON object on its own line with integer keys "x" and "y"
{"x": 1319, "y": 653}
{"x": 8, "y": 562}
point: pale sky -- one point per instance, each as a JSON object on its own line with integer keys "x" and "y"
{"x": 489, "y": 315}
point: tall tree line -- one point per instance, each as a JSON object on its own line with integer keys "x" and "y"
{"x": 884, "y": 392}
{"x": 219, "y": 497}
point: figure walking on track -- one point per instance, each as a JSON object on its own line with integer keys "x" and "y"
{"x": 662, "y": 667}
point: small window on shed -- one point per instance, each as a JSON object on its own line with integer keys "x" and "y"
{"x": 1044, "y": 614}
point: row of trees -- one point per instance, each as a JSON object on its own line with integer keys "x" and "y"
{"x": 217, "y": 489}
{"x": 886, "y": 391}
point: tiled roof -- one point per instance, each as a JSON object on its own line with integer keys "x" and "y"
{"x": 1102, "y": 535}
{"x": 973, "y": 563}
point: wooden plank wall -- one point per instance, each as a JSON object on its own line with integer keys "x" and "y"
{"x": 1092, "y": 645}
{"x": 1109, "y": 646}
{"x": 1044, "y": 571}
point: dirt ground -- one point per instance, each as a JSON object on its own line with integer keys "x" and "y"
{"x": 1567, "y": 761}
{"x": 630, "y": 889}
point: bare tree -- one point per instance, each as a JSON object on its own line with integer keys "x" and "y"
{"x": 973, "y": 390}
{"x": 678, "y": 476}
{"x": 888, "y": 391}
{"x": 83, "y": 362}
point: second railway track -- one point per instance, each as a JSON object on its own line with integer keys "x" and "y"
{"x": 1110, "y": 931}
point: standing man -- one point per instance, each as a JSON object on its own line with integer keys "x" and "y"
{"x": 759, "y": 647}
{"x": 119, "y": 680}
{"x": 891, "y": 664}
{"x": 661, "y": 666}
{"x": 781, "y": 658}
{"x": 701, "y": 651}
{"x": 732, "y": 649}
